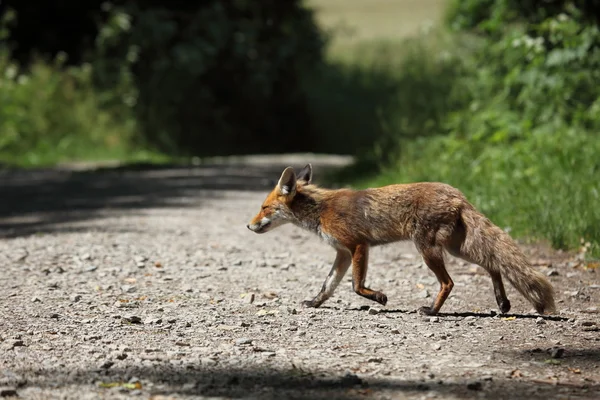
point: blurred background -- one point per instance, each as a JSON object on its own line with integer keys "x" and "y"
{"x": 499, "y": 98}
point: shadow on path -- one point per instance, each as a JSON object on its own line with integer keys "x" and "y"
{"x": 567, "y": 357}
{"x": 265, "y": 382}
{"x": 465, "y": 314}
{"x": 42, "y": 201}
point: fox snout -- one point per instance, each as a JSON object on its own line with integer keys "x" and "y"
{"x": 261, "y": 226}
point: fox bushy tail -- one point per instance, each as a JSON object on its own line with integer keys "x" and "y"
{"x": 493, "y": 249}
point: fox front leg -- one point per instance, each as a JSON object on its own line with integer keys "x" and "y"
{"x": 360, "y": 264}
{"x": 338, "y": 270}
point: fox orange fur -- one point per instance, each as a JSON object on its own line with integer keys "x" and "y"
{"x": 435, "y": 216}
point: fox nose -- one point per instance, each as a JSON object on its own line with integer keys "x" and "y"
{"x": 248, "y": 226}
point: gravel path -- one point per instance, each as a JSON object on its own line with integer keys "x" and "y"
{"x": 145, "y": 283}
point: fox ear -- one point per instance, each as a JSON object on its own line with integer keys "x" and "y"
{"x": 305, "y": 174}
{"x": 287, "y": 182}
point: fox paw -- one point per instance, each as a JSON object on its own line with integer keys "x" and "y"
{"x": 380, "y": 298}
{"x": 505, "y": 306}
{"x": 310, "y": 304}
{"x": 427, "y": 310}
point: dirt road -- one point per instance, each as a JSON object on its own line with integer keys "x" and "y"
{"x": 145, "y": 283}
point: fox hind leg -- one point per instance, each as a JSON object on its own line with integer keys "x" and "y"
{"x": 499, "y": 293}
{"x": 338, "y": 270}
{"x": 454, "y": 247}
{"x": 360, "y": 261}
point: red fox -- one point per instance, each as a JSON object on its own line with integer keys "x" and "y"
{"x": 435, "y": 216}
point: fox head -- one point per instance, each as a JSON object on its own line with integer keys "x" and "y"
{"x": 276, "y": 209}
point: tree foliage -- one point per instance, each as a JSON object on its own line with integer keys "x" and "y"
{"x": 203, "y": 77}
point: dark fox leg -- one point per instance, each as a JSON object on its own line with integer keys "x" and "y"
{"x": 434, "y": 258}
{"x": 338, "y": 270}
{"x": 499, "y": 293}
{"x": 360, "y": 261}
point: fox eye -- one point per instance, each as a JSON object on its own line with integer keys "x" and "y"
{"x": 264, "y": 208}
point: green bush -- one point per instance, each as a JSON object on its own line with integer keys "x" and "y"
{"x": 546, "y": 76}
{"x": 495, "y": 17}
